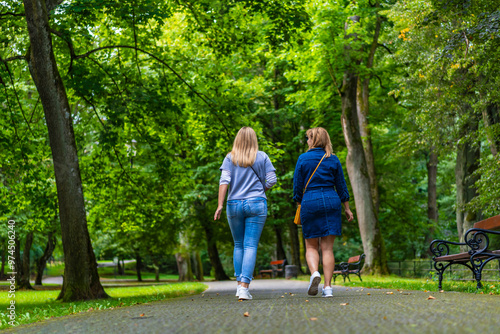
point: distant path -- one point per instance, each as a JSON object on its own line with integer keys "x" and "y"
{"x": 274, "y": 310}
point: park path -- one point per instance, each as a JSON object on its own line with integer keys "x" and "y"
{"x": 281, "y": 306}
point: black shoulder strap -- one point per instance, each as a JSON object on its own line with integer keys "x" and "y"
{"x": 263, "y": 186}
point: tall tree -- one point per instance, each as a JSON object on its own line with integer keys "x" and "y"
{"x": 357, "y": 165}
{"x": 81, "y": 280}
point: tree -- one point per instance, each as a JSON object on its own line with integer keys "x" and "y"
{"x": 81, "y": 280}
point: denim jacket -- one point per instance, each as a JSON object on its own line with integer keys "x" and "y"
{"x": 328, "y": 175}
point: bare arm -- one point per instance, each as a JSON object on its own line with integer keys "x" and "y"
{"x": 348, "y": 212}
{"x": 222, "y": 197}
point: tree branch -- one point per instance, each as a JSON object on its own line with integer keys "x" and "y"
{"x": 70, "y": 46}
{"x": 113, "y": 147}
{"x": 52, "y": 4}
{"x": 332, "y": 75}
{"x": 17, "y": 96}
{"x": 379, "y": 80}
{"x": 14, "y": 58}
{"x": 385, "y": 47}
{"x": 10, "y": 109}
{"x": 203, "y": 98}
{"x": 11, "y": 14}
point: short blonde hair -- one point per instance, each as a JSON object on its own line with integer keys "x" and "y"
{"x": 320, "y": 138}
{"x": 245, "y": 147}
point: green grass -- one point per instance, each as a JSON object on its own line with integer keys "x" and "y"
{"x": 33, "y": 306}
{"x": 418, "y": 284}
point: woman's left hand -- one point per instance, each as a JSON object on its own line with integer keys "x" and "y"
{"x": 350, "y": 216}
{"x": 218, "y": 213}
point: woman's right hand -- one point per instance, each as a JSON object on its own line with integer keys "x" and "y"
{"x": 218, "y": 213}
{"x": 350, "y": 216}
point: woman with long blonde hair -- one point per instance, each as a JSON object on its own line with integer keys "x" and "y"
{"x": 320, "y": 188}
{"x": 248, "y": 173}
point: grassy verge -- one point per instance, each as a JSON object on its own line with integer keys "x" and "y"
{"x": 417, "y": 284}
{"x": 33, "y": 306}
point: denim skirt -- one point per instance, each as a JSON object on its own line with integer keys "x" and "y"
{"x": 321, "y": 213}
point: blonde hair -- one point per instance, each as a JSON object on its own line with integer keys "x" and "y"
{"x": 320, "y": 138}
{"x": 245, "y": 147}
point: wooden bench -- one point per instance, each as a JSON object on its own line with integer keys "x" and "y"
{"x": 351, "y": 267}
{"x": 478, "y": 255}
{"x": 277, "y": 267}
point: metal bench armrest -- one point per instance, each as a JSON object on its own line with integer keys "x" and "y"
{"x": 440, "y": 247}
{"x": 477, "y": 239}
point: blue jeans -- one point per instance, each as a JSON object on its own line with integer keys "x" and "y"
{"x": 246, "y": 219}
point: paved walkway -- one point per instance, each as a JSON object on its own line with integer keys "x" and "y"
{"x": 281, "y": 306}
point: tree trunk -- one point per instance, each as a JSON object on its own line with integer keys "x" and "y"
{"x": 41, "y": 263}
{"x": 156, "y": 266}
{"x": 138, "y": 266}
{"x": 23, "y": 269}
{"x": 184, "y": 267}
{"x": 491, "y": 117}
{"x": 81, "y": 280}
{"x": 371, "y": 235}
{"x": 295, "y": 245}
{"x": 213, "y": 254}
{"x": 280, "y": 251}
{"x": 432, "y": 210}
{"x": 363, "y": 107}
{"x": 198, "y": 266}
{"x": 468, "y": 155}
{"x": 120, "y": 267}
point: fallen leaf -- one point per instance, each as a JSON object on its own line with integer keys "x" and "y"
{"x": 142, "y": 314}
{"x": 282, "y": 296}
{"x": 246, "y": 314}
{"x": 430, "y": 297}
{"x": 307, "y": 301}
{"x": 492, "y": 286}
{"x": 441, "y": 291}
{"x": 385, "y": 318}
{"x": 240, "y": 300}
{"x": 368, "y": 294}
{"x": 362, "y": 289}
{"x": 344, "y": 304}
{"x": 389, "y": 293}
{"x": 426, "y": 291}
{"x": 313, "y": 319}
{"x": 217, "y": 293}
{"x": 291, "y": 294}
{"x": 491, "y": 293}
{"x": 482, "y": 292}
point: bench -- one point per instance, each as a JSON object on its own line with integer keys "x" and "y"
{"x": 351, "y": 267}
{"x": 277, "y": 267}
{"x": 477, "y": 242}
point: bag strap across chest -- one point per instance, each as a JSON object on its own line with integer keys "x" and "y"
{"x": 313, "y": 173}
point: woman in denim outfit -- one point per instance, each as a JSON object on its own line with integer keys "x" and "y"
{"x": 249, "y": 173}
{"x": 320, "y": 212}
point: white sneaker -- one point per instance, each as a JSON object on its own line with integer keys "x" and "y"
{"x": 244, "y": 294}
{"x": 327, "y": 291}
{"x": 238, "y": 290}
{"x": 313, "y": 284}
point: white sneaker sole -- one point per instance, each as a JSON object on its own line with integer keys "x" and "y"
{"x": 313, "y": 288}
